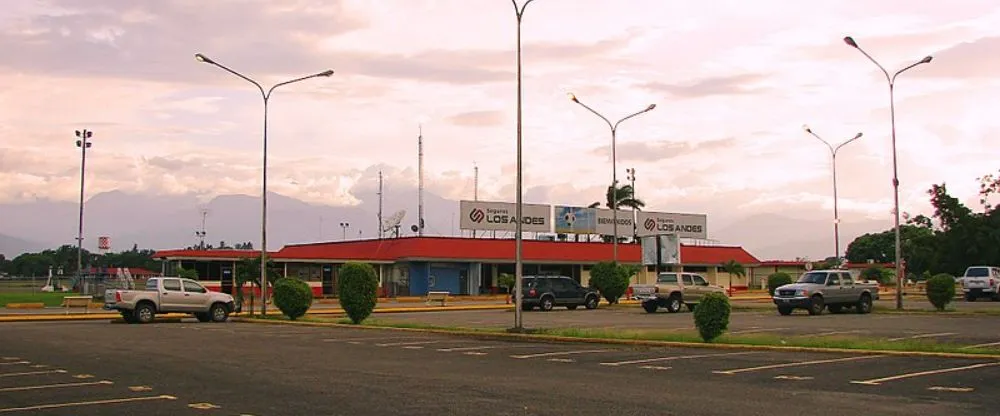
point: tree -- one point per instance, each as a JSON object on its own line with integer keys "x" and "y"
{"x": 618, "y": 198}
{"x": 918, "y": 244}
{"x": 611, "y": 279}
{"x": 248, "y": 271}
{"x": 358, "y": 288}
{"x": 733, "y": 268}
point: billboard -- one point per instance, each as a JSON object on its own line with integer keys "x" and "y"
{"x": 499, "y": 216}
{"x": 576, "y": 220}
{"x": 669, "y": 247}
{"x": 606, "y": 224}
{"x": 683, "y": 225}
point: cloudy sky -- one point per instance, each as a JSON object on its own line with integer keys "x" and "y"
{"x": 733, "y": 82}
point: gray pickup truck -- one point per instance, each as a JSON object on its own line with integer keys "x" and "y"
{"x": 832, "y": 289}
{"x": 169, "y": 295}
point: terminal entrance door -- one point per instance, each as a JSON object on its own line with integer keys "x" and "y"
{"x": 328, "y": 280}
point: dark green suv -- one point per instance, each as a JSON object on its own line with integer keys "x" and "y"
{"x": 547, "y": 292}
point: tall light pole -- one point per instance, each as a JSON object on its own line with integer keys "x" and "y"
{"x": 263, "y": 193}
{"x": 83, "y": 142}
{"x": 836, "y": 214}
{"x": 900, "y": 271}
{"x": 614, "y": 167}
{"x": 518, "y": 203}
{"x": 343, "y": 227}
{"x": 635, "y": 228}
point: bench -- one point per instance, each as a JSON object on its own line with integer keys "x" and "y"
{"x": 76, "y": 302}
{"x": 437, "y": 297}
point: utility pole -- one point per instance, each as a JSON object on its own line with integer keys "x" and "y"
{"x": 475, "y": 187}
{"x": 83, "y": 143}
{"x": 380, "y": 205}
{"x": 201, "y": 233}
{"x": 635, "y": 228}
{"x": 420, "y": 185}
{"x": 344, "y": 226}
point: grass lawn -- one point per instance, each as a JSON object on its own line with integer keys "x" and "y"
{"x": 48, "y": 298}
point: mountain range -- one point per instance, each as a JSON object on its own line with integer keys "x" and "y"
{"x": 170, "y": 221}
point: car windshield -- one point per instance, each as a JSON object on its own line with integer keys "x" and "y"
{"x": 977, "y": 272}
{"x": 813, "y": 277}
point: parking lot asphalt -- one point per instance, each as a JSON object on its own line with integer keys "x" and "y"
{"x": 967, "y": 330}
{"x": 96, "y": 368}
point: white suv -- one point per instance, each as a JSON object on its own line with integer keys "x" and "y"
{"x": 981, "y": 282}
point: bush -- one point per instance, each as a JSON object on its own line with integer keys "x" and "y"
{"x": 357, "y": 288}
{"x": 941, "y": 290}
{"x": 293, "y": 297}
{"x": 506, "y": 281}
{"x": 776, "y": 280}
{"x": 712, "y": 316}
{"x": 611, "y": 279}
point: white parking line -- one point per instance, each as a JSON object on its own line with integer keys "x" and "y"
{"x": 951, "y": 389}
{"x": 784, "y": 377}
{"x": 823, "y": 334}
{"x": 562, "y": 360}
{"x": 351, "y": 340}
{"x": 486, "y": 347}
{"x": 795, "y": 364}
{"x": 751, "y": 331}
{"x": 676, "y": 357}
{"x": 654, "y": 367}
{"x": 15, "y": 362}
{"x": 991, "y": 344}
{"x": 31, "y": 373}
{"x": 88, "y": 403}
{"x": 55, "y": 386}
{"x": 941, "y": 334}
{"x": 550, "y": 354}
{"x": 877, "y": 381}
{"x": 400, "y": 344}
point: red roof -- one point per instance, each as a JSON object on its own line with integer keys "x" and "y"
{"x": 799, "y": 263}
{"x": 453, "y": 248}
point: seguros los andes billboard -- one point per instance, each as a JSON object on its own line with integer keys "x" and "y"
{"x": 499, "y": 216}
{"x": 683, "y": 225}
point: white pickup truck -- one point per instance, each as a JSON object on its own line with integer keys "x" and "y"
{"x": 981, "y": 282}
{"x": 169, "y": 295}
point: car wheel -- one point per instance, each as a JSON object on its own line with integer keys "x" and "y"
{"x": 590, "y": 302}
{"x": 784, "y": 310}
{"x": 144, "y": 313}
{"x": 816, "y": 305}
{"x": 674, "y": 304}
{"x": 219, "y": 312}
{"x": 202, "y": 316}
{"x": 546, "y": 304}
{"x": 864, "y": 305}
{"x": 650, "y": 306}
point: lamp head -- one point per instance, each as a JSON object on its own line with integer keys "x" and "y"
{"x": 203, "y": 58}
{"x": 651, "y": 106}
{"x": 927, "y": 59}
{"x": 857, "y": 136}
{"x": 79, "y": 134}
{"x": 572, "y": 97}
{"x": 326, "y": 73}
{"x": 850, "y": 42}
{"x": 806, "y": 128}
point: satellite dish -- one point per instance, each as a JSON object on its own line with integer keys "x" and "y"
{"x": 414, "y": 228}
{"x": 393, "y": 221}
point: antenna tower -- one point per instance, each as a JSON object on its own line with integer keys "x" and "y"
{"x": 420, "y": 184}
{"x": 475, "y": 187}
{"x": 380, "y": 224}
{"x": 201, "y": 233}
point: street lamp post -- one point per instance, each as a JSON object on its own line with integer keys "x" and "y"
{"x": 263, "y": 195}
{"x": 518, "y": 204}
{"x": 83, "y": 142}
{"x": 900, "y": 272}
{"x": 836, "y": 214}
{"x": 343, "y": 227}
{"x": 614, "y": 167}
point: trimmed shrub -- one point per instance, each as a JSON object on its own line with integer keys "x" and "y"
{"x": 941, "y": 290}
{"x": 611, "y": 279}
{"x": 776, "y": 280}
{"x": 711, "y": 317}
{"x": 357, "y": 289}
{"x": 506, "y": 281}
{"x": 293, "y": 297}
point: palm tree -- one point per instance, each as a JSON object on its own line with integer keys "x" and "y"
{"x": 618, "y": 198}
{"x": 732, "y": 267}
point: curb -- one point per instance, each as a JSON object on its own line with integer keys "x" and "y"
{"x": 632, "y": 342}
{"x": 31, "y": 305}
{"x": 75, "y": 317}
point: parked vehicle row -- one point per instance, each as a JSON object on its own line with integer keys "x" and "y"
{"x": 169, "y": 295}
{"x": 835, "y": 290}
{"x": 981, "y": 282}
{"x": 547, "y": 292}
{"x": 675, "y": 289}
